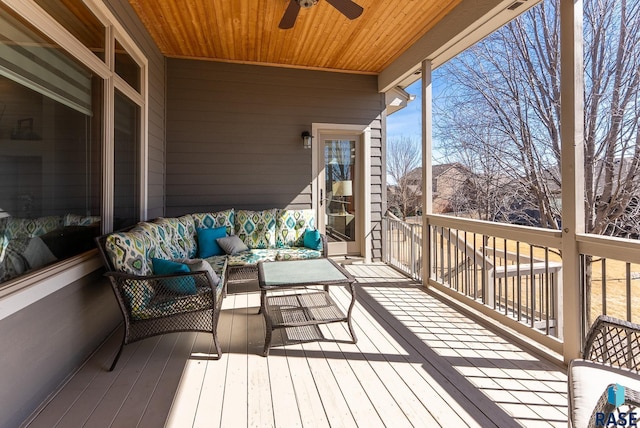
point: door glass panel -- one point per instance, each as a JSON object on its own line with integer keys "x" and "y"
{"x": 340, "y": 189}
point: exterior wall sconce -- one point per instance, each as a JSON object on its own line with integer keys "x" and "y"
{"x": 306, "y": 140}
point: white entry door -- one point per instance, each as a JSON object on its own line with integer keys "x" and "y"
{"x": 340, "y": 192}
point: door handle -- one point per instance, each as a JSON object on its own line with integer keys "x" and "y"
{"x": 321, "y": 198}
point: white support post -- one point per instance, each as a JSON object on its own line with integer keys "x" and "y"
{"x": 427, "y": 160}
{"x": 572, "y": 134}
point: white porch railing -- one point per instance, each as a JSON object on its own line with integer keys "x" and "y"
{"x": 402, "y": 246}
{"x": 610, "y": 274}
{"x": 515, "y": 271}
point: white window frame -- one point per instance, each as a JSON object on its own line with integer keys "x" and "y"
{"x": 30, "y": 288}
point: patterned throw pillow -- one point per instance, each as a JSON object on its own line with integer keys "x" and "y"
{"x": 157, "y": 235}
{"x": 291, "y": 225}
{"x": 79, "y": 220}
{"x": 30, "y": 227}
{"x": 181, "y": 232}
{"x": 257, "y": 229}
{"x": 131, "y": 252}
{"x": 210, "y": 220}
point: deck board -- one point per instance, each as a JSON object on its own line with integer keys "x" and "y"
{"x": 417, "y": 362}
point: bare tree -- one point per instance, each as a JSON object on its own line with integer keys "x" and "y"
{"x": 612, "y": 111}
{"x": 404, "y": 156}
{"x": 504, "y": 102}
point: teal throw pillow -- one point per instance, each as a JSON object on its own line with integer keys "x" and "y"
{"x": 183, "y": 285}
{"x": 207, "y": 244}
{"x": 312, "y": 239}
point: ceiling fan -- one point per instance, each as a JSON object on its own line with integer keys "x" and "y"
{"x": 347, "y": 7}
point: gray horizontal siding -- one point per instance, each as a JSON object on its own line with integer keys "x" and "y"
{"x": 377, "y": 194}
{"x": 233, "y": 131}
{"x": 48, "y": 340}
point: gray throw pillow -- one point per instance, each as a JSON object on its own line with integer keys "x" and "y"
{"x": 232, "y": 244}
{"x": 197, "y": 265}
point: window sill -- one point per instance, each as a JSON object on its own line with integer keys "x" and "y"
{"x": 31, "y": 288}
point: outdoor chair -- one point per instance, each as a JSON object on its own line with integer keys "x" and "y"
{"x": 610, "y": 359}
{"x": 153, "y": 305}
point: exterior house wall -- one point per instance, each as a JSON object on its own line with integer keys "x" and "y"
{"x": 233, "y": 134}
{"x": 47, "y": 340}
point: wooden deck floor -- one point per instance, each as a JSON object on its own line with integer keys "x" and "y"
{"x": 417, "y": 363}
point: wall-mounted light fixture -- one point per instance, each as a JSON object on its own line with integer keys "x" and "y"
{"x": 306, "y": 140}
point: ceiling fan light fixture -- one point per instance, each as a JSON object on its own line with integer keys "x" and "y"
{"x": 348, "y": 8}
{"x": 305, "y": 4}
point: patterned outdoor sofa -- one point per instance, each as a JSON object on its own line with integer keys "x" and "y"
{"x": 168, "y": 275}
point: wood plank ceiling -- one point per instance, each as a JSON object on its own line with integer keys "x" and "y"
{"x": 246, "y": 31}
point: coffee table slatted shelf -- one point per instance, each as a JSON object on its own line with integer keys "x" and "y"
{"x": 293, "y": 310}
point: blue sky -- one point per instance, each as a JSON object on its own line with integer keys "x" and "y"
{"x": 408, "y": 121}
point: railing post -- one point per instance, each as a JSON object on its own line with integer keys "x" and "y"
{"x": 385, "y": 239}
{"x": 412, "y": 257}
{"x": 427, "y": 203}
{"x": 572, "y": 162}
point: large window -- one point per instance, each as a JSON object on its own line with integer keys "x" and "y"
{"x": 50, "y": 145}
{"x": 126, "y": 162}
{"x": 57, "y": 156}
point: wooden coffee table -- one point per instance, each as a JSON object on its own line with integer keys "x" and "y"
{"x": 305, "y": 306}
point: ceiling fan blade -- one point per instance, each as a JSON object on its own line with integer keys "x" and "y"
{"x": 348, "y": 8}
{"x": 290, "y": 15}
